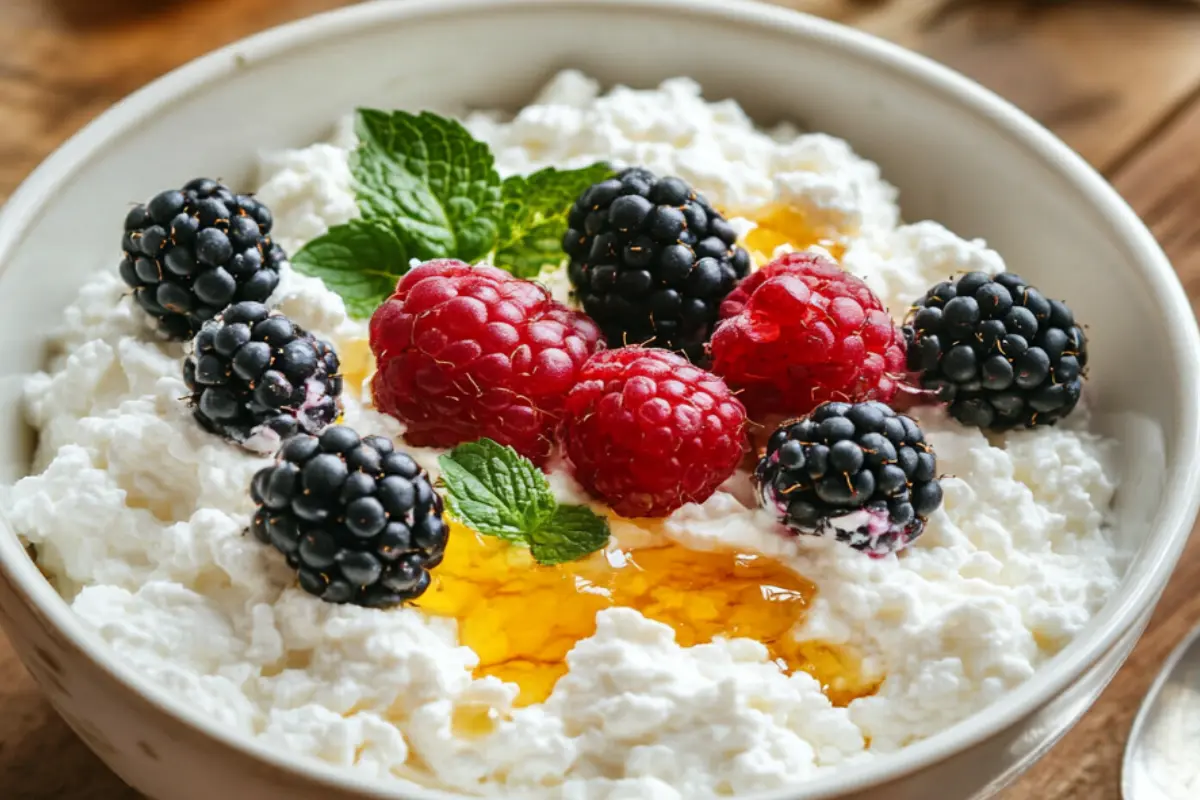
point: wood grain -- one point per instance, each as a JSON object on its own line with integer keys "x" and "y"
{"x": 1118, "y": 80}
{"x": 1098, "y": 73}
{"x": 1162, "y": 183}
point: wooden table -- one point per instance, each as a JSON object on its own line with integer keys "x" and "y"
{"x": 1119, "y": 80}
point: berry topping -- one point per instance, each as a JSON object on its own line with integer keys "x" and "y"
{"x": 255, "y": 377}
{"x": 651, "y": 261}
{"x": 468, "y": 352}
{"x": 191, "y": 252}
{"x": 357, "y": 519}
{"x": 800, "y": 332}
{"x": 861, "y": 472}
{"x": 648, "y": 432}
{"x": 997, "y": 351}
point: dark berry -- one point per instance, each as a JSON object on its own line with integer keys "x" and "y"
{"x": 351, "y": 536}
{"x": 651, "y": 261}
{"x": 968, "y": 285}
{"x": 402, "y": 464}
{"x": 255, "y": 389}
{"x": 997, "y": 351}
{"x": 189, "y": 253}
{"x": 860, "y": 472}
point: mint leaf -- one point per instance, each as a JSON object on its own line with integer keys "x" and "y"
{"x": 361, "y": 261}
{"x": 535, "y": 216}
{"x": 573, "y": 532}
{"x": 431, "y": 178}
{"x": 426, "y": 189}
{"x": 497, "y": 492}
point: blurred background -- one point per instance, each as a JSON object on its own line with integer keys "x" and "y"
{"x": 1118, "y": 80}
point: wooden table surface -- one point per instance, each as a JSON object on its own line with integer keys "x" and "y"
{"x": 1119, "y": 80}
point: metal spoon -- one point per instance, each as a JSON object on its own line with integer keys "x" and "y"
{"x": 1162, "y": 755}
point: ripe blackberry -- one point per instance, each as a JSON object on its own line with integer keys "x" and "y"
{"x": 357, "y": 519}
{"x": 651, "y": 261}
{"x": 861, "y": 472}
{"x": 191, "y": 252}
{"x": 997, "y": 351}
{"x": 256, "y": 377}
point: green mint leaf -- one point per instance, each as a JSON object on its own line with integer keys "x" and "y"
{"x": 573, "y": 532}
{"x": 495, "y": 491}
{"x": 535, "y": 216}
{"x": 361, "y": 261}
{"x": 436, "y": 183}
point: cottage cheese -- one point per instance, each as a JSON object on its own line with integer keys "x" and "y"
{"x": 139, "y": 516}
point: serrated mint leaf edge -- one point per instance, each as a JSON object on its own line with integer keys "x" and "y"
{"x": 542, "y": 525}
{"x": 473, "y": 504}
{"x": 513, "y": 480}
{"x": 430, "y": 192}
{"x": 559, "y": 539}
{"x": 527, "y": 230}
{"x": 361, "y": 289}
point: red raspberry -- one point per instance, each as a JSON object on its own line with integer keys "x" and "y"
{"x": 802, "y": 331}
{"x": 464, "y": 352}
{"x": 647, "y": 432}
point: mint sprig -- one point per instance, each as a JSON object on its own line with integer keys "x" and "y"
{"x": 535, "y": 216}
{"x": 425, "y": 189}
{"x": 360, "y": 260}
{"x": 428, "y": 176}
{"x": 497, "y": 492}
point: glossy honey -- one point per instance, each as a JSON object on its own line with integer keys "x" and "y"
{"x": 783, "y": 224}
{"x": 522, "y": 618}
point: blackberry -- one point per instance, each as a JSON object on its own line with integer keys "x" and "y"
{"x": 651, "y": 261}
{"x": 256, "y": 377}
{"x": 861, "y": 472}
{"x": 997, "y": 351}
{"x": 358, "y": 520}
{"x": 191, "y": 252}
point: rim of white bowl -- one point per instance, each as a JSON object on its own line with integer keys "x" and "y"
{"x": 1119, "y": 614}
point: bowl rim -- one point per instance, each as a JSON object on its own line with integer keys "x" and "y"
{"x": 1183, "y": 487}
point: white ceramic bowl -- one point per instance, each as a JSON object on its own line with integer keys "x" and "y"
{"x": 959, "y": 155}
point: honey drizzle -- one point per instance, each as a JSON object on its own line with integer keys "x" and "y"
{"x": 783, "y": 224}
{"x": 357, "y": 364}
{"x": 522, "y": 619}
{"x": 473, "y": 720}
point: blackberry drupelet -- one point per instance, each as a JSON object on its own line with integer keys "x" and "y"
{"x": 651, "y": 261}
{"x": 257, "y": 377}
{"x": 861, "y": 472}
{"x": 997, "y": 351}
{"x": 358, "y": 520}
{"x": 191, "y": 252}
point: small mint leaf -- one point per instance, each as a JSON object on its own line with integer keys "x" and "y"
{"x": 360, "y": 260}
{"x": 535, "y": 216}
{"x": 495, "y": 491}
{"x": 432, "y": 179}
{"x": 573, "y": 532}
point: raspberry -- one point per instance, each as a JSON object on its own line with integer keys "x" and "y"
{"x": 997, "y": 351}
{"x": 357, "y": 519}
{"x": 861, "y": 473}
{"x": 467, "y": 352}
{"x": 647, "y": 432}
{"x": 800, "y": 332}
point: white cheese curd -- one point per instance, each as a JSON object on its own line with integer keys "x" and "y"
{"x": 139, "y": 515}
